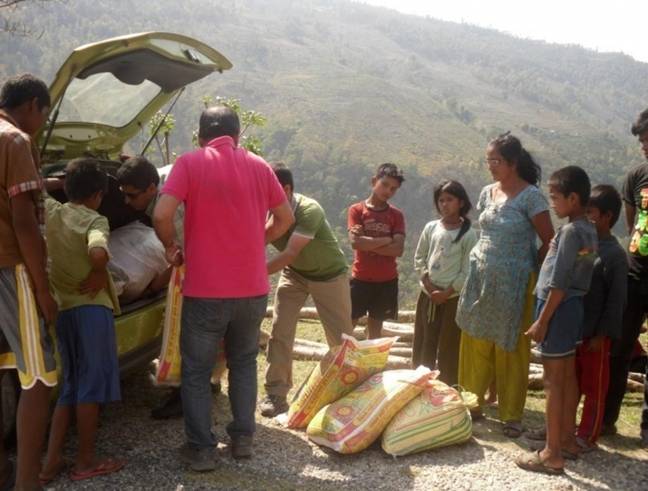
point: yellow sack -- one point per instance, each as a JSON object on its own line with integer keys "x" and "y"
{"x": 354, "y": 422}
{"x": 343, "y": 368}
{"x": 438, "y": 417}
{"x": 167, "y": 372}
{"x": 168, "y": 367}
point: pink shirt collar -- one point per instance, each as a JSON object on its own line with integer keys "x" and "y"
{"x": 221, "y": 140}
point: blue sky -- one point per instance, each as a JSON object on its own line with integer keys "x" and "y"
{"x": 618, "y": 26}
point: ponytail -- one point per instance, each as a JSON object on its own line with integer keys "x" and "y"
{"x": 465, "y": 226}
{"x": 513, "y": 152}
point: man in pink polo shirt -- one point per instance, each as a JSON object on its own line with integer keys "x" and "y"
{"x": 227, "y": 193}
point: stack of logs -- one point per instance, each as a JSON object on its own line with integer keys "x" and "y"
{"x": 400, "y": 355}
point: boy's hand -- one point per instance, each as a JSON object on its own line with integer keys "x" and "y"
{"x": 357, "y": 230}
{"x": 595, "y": 344}
{"x": 439, "y": 297}
{"x": 537, "y": 331}
{"x": 427, "y": 284}
{"x": 96, "y": 281}
{"x": 46, "y": 305}
{"x": 174, "y": 255}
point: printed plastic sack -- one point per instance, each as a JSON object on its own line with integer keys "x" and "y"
{"x": 438, "y": 417}
{"x": 343, "y": 368}
{"x": 357, "y": 420}
{"x": 169, "y": 363}
{"x": 137, "y": 256}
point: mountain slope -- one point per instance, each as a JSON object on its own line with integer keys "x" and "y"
{"x": 347, "y": 86}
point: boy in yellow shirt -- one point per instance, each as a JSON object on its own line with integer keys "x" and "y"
{"x": 77, "y": 238}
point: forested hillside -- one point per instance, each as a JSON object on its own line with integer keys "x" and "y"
{"x": 347, "y": 86}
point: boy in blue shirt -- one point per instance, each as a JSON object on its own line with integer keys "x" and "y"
{"x": 564, "y": 280}
{"x": 604, "y": 306}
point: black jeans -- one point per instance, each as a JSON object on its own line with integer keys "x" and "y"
{"x": 204, "y": 323}
{"x": 621, "y": 349}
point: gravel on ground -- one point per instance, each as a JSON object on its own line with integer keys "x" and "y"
{"x": 285, "y": 459}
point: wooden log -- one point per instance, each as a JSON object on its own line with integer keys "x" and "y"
{"x": 634, "y": 386}
{"x": 404, "y": 316}
{"x": 403, "y": 344}
{"x": 398, "y": 362}
{"x": 405, "y": 332}
{"x": 404, "y": 352}
{"x": 637, "y": 377}
{"x": 535, "y": 382}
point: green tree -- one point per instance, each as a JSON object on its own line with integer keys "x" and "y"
{"x": 166, "y": 126}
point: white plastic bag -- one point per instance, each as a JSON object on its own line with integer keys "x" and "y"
{"x": 137, "y": 257}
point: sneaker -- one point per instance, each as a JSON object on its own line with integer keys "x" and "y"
{"x": 271, "y": 406}
{"x": 198, "y": 459}
{"x": 241, "y": 447}
{"x": 170, "y": 408}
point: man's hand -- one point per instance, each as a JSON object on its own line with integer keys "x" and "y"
{"x": 46, "y": 305}
{"x": 96, "y": 281}
{"x": 357, "y": 230}
{"x": 537, "y": 331}
{"x": 174, "y": 255}
{"x": 595, "y": 344}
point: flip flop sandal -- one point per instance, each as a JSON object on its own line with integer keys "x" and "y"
{"x": 106, "y": 467}
{"x": 537, "y": 445}
{"x": 513, "y": 429}
{"x": 533, "y": 463}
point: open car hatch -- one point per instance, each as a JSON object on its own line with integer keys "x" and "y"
{"x": 107, "y": 91}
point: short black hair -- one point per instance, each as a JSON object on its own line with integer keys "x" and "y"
{"x": 641, "y": 125}
{"x": 84, "y": 178}
{"x": 572, "y": 179}
{"x": 138, "y": 172}
{"x": 283, "y": 173}
{"x": 218, "y": 121}
{"x": 390, "y": 170}
{"x": 20, "y": 89}
{"x": 606, "y": 199}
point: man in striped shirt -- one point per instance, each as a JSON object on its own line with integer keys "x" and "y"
{"x": 26, "y": 304}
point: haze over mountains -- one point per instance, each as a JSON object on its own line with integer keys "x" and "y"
{"x": 347, "y": 86}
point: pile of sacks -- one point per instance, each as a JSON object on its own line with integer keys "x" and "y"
{"x": 349, "y": 400}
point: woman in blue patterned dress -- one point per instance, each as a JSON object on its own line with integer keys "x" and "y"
{"x": 496, "y": 303}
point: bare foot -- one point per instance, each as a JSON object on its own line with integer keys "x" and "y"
{"x": 51, "y": 470}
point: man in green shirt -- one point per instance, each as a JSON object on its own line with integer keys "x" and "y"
{"x": 311, "y": 263}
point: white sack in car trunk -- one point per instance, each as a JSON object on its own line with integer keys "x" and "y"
{"x": 137, "y": 256}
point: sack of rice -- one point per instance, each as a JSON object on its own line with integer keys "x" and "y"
{"x": 169, "y": 363}
{"x": 354, "y": 422}
{"x": 343, "y": 368}
{"x": 438, "y": 417}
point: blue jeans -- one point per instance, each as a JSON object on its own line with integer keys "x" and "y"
{"x": 205, "y": 322}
